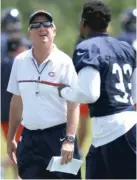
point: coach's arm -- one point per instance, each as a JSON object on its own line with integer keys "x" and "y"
{"x": 69, "y": 77}
{"x": 14, "y": 121}
{"x": 67, "y": 149}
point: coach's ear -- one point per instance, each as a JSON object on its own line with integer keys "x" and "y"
{"x": 54, "y": 30}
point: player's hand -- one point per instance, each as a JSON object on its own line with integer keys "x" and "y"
{"x": 67, "y": 152}
{"x": 61, "y": 87}
{"x": 11, "y": 150}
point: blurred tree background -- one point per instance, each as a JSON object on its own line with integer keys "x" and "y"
{"x": 66, "y": 15}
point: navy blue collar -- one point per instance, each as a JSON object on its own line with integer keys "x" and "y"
{"x": 97, "y": 34}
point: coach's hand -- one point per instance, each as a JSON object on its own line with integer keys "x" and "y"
{"x": 61, "y": 87}
{"x": 11, "y": 150}
{"x": 67, "y": 151}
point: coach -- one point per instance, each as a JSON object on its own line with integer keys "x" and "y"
{"x": 50, "y": 123}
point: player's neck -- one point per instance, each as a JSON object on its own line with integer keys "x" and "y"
{"x": 92, "y": 32}
{"x": 40, "y": 54}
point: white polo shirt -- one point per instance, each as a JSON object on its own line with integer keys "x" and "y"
{"x": 42, "y": 106}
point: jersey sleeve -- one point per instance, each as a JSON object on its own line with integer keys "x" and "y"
{"x": 131, "y": 54}
{"x": 134, "y": 86}
{"x": 87, "y": 55}
{"x": 70, "y": 75}
{"x": 13, "y": 83}
{"x": 135, "y": 59}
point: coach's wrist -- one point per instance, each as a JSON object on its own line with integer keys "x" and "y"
{"x": 70, "y": 138}
{"x": 10, "y": 137}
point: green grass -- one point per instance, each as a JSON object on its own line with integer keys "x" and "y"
{"x": 9, "y": 173}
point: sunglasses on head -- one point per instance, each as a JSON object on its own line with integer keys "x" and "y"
{"x": 36, "y": 25}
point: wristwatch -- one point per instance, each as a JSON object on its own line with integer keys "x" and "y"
{"x": 70, "y": 139}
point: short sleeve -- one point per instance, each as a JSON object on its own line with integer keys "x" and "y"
{"x": 70, "y": 76}
{"x": 135, "y": 59}
{"x": 134, "y": 86}
{"x": 13, "y": 83}
{"x": 86, "y": 55}
{"x": 130, "y": 53}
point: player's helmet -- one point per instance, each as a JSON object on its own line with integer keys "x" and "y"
{"x": 11, "y": 20}
{"x": 128, "y": 19}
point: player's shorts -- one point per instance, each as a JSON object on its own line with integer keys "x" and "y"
{"x": 35, "y": 150}
{"x": 84, "y": 110}
{"x": 115, "y": 160}
{"x": 5, "y": 126}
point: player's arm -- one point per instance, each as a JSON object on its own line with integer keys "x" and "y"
{"x": 87, "y": 60}
{"x": 134, "y": 76}
{"x": 87, "y": 89}
{"x": 134, "y": 87}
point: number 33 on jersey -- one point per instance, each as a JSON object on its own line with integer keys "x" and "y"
{"x": 115, "y": 66}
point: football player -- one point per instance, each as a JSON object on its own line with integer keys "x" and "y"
{"x": 106, "y": 76}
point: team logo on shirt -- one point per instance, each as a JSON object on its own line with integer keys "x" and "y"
{"x": 51, "y": 74}
{"x": 80, "y": 53}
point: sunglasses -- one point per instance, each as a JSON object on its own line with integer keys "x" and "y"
{"x": 36, "y": 25}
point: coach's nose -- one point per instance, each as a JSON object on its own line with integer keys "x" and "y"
{"x": 41, "y": 26}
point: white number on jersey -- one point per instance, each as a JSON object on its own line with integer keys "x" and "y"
{"x": 120, "y": 86}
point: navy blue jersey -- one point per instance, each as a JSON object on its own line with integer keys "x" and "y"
{"x": 6, "y": 66}
{"x": 115, "y": 60}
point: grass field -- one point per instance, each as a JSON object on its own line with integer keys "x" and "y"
{"x": 9, "y": 173}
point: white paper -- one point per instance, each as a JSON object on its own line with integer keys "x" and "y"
{"x": 72, "y": 167}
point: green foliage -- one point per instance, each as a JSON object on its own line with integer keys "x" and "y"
{"x": 66, "y": 15}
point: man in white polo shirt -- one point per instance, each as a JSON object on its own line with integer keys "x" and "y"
{"x": 50, "y": 122}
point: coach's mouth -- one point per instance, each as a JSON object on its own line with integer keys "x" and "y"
{"x": 43, "y": 34}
